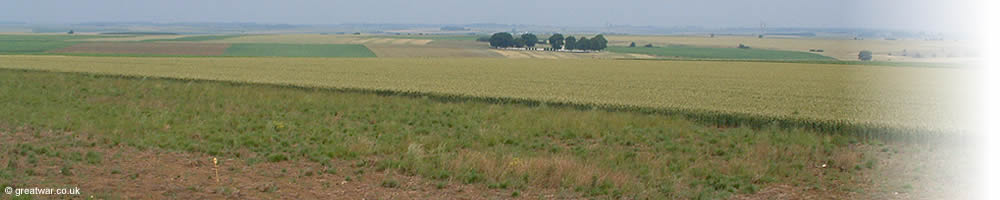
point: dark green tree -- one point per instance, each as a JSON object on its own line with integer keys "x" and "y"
{"x": 518, "y": 42}
{"x": 570, "y": 43}
{"x": 556, "y": 41}
{"x": 529, "y": 39}
{"x": 502, "y": 39}
{"x": 865, "y": 55}
{"x": 598, "y": 42}
{"x": 583, "y": 44}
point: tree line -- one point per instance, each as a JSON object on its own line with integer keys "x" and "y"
{"x": 571, "y": 43}
{"x": 504, "y": 40}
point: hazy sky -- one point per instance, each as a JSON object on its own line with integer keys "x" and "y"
{"x": 931, "y": 15}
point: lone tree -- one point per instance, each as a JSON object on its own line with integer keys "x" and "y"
{"x": 570, "y": 43}
{"x": 70, "y": 32}
{"x": 865, "y": 55}
{"x": 502, "y": 39}
{"x": 529, "y": 39}
{"x": 556, "y": 41}
{"x": 632, "y": 45}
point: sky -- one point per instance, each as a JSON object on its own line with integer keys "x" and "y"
{"x": 920, "y": 15}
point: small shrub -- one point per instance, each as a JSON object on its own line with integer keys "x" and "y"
{"x": 390, "y": 183}
{"x": 66, "y": 170}
{"x": 277, "y": 157}
{"x": 93, "y": 158}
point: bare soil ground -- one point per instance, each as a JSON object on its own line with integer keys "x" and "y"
{"x": 124, "y": 172}
{"x": 201, "y": 49}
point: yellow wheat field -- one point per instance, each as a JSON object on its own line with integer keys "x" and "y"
{"x": 907, "y": 97}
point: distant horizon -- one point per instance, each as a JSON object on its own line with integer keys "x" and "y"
{"x": 920, "y": 15}
{"x": 466, "y": 24}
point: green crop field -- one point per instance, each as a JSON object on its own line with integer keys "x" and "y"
{"x": 719, "y": 53}
{"x": 48, "y": 37}
{"x": 299, "y": 50}
{"x": 35, "y": 43}
{"x": 29, "y": 47}
{"x": 592, "y": 153}
{"x": 821, "y": 96}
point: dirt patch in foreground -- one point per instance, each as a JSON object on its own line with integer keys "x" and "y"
{"x": 123, "y": 172}
{"x": 159, "y": 48}
{"x": 104, "y": 170}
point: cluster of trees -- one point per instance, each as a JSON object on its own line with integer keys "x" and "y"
{"x": 505, "y": 39}
{"x": 865, "y": 55}
{"x": 597, "y": 43}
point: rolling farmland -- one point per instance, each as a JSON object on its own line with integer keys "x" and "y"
{"x": 328, "y": 135}
{"x": 720, "y": 53}
{"x": 497, "y": 100}
{"x": 37, "y": 44}
{"x": 911, "y": 98}
{"x": 191, "y": 38}
{"x": 433, "y": 118}
{"x": 842, "y": 49}
{"x": 299, "y": 50}
{"x": 135, "y": 48}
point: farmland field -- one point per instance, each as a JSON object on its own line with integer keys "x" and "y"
{"x": 443, "y": 117}
{"x": 410, "y": 51}
{"x": 85, "y": 129}
{"x": 843, "y": 49}
{"x": 835, "y": 95}
{"x": 37, "y": 43}
{"x": 134, "y": 48}
{"x": 719, "y": 53}
{"x": 323, "y": 39}
{"x": 131, "y": 38}
{"x": 299, "y": 50}
{"x": 192, "y": 38}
